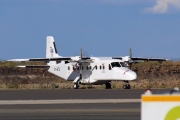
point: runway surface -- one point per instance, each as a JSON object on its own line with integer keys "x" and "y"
{"x": 70, "y": 104}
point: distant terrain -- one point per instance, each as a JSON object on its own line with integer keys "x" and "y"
{"x": 150, "y": 75}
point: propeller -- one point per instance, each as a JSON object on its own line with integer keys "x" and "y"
{"x": 130, "y": 53}
{"x": 79, "y": 62}
{"x": 80, "y": 65}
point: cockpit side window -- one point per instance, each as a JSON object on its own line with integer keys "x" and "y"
{"x": 123, "y": 64}
{"x": 109, "y": 67}
{"x": 115, "y": 64}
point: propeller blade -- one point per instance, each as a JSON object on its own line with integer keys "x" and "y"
{"x": 80, "y": 65}
{"x": 81, "y": 53}
{"x": 130, "y": 66}
{"x": 130, "y": 60}
{"x": 130, "y": 53}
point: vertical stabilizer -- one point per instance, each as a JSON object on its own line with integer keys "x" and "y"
{"x": 51, "y": 51}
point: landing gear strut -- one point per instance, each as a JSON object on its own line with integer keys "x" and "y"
{"x": 108, "y": 85}
{"x": 76, "y": 85}
{"x": 127, "y": 85}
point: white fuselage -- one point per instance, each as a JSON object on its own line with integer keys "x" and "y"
{"x": 99, "y": 71}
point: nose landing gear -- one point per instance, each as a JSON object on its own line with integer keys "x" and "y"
{"x": 127, "y": 85}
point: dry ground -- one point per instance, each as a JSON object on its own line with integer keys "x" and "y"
{"x": 150, "y": 75}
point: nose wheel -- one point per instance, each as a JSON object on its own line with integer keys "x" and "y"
{"x": 127, "y": 85}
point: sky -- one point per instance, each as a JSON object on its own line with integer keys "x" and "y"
{"x": 100, "y": 27}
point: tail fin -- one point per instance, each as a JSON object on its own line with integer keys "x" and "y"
{"x": 51, "y": 51}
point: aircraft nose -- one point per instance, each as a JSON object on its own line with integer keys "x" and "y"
{"x": 131, "y": 75}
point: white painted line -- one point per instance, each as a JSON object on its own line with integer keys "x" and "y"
{"x": 68, "y": 101}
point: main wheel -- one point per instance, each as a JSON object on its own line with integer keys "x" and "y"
{"x": 108, "y": 85}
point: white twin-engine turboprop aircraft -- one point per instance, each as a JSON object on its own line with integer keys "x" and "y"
{"x": 85, "y": 70}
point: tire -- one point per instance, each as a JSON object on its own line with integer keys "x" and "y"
{"x": 108, "y": 85}
{"x": 129, "y": 87}
{"x": 76, "y": 86}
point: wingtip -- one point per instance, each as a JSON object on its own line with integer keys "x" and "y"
{"x": 168, "y": 60}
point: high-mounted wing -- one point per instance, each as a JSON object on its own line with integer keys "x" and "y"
{"x": 148, "y": 59}
{"x": 139, "y": 59}
{"x": 70, "y": 59}
{"x": 76, "y": 59}
{"x": 39, "y": 59}
{"x": 130, "y": 60}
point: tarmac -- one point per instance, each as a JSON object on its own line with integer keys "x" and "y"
{"x": 71, "y": 104}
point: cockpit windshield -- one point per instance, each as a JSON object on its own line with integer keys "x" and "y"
{"x": 123, "y": 64}
{"x": 115, "y": 64}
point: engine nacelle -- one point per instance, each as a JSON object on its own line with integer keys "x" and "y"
{"x": 76, "y": 58}
{"x": 126, "y": 58}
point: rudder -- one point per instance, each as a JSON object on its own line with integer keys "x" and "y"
{"x": 51, "y": 51}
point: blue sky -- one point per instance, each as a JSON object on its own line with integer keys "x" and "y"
{"x": 101, "y": 27}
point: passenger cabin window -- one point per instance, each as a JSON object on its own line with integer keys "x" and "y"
{"x": 68, "y": 68}
{"x": 115, "y": 64}
{"x": 96, "y": 67}
{"x": 103, "y": 67}
{"x": 90, "y": 67}
{"x": 100, "y": 67}
{"x": 87, "y": 67}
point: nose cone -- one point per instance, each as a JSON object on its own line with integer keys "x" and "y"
{"x": 131, "y": 75}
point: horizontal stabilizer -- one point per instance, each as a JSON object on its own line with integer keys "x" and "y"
{"x": 17, "y": 60}
{"x": 33, "y": 66}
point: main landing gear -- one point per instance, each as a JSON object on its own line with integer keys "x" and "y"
{"x": 108, "y": 85}
{"x": 76, "y": 85}
{"x": 127, "y": 85}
